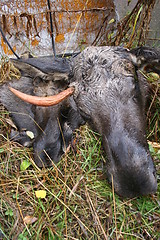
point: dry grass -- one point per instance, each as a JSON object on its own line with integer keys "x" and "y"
{"x": 153, "y": 113}
{"x": 79, "y": 203}
{"x": 7, "y": 70}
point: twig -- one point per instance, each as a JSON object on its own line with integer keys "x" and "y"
{"x": 114, "y": 204}
{"x": 75, "y": 28}
{"x": 5, "y": 39}
{"x": 154, "y": 97}
{"x": 59, "y": 11}
{"x": 51, "y": 24}
{"x": 95, "y": 213}
{"x": 20, "y": 208}
{"x": 75, "y": 187}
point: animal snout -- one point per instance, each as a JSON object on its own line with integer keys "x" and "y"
{"x": 131, "y": 168}
{"x": 135, "y": 176}
{"x": 132, "y": 184}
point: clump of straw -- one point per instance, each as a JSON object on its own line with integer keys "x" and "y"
{"x": 8, "y": 70}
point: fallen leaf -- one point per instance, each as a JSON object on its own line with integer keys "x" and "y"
{"x": 154, "y": 144}
{"x": 24, "y": 165}
{"x": 1, "y": 150}
{"x": 40, "y": 193}
{"x": 153, "y": 75}
{"x": 111, "y": 21}
{"x": 30, "y": 134}
{"x": 10, "y": 122}
{"x": 29, "y": 219}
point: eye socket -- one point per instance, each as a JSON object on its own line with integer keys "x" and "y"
{"x": 37, "y": 80}
{"x": 90, "y": 62}
{"x": 104, "y": 62}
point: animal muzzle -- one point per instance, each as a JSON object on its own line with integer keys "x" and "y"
{"x": 131, "y": 183}
{"x": 130, "y": 167}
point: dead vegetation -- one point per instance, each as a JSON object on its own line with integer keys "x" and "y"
{"x": 130, "y": 31}
{"x": 7, "y": 70}
{"x": 77, "y": 203}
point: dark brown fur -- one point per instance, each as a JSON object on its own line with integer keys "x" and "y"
{"x": 110, "y": 94}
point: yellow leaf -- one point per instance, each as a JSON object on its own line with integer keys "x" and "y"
{"x": 111, "y": 21}
{"x": 29, "y": 219}
{"x": 30, "y": 134}
{"x": 153, "y": 75}
{"x": 40, "y": 193}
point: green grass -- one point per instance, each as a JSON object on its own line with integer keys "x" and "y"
{"x": 79, "y": 202}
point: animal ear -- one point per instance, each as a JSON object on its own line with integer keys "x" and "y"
{"x": 21, "y": 112}
{"x": 30, "y": 69}
{"x": 26, "y": 69}
{"x": 146, "y": 58}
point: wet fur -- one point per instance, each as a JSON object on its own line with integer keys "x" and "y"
{"x": 110, "y": 94}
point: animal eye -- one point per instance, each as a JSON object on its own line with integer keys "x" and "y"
{"x": 104, "y": 62}
{"x": 89, "y": 61}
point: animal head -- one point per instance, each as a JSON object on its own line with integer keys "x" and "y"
{"x": 109, "y": 93}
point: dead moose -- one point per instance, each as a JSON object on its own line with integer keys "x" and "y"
{"x": 102, "y": 86}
